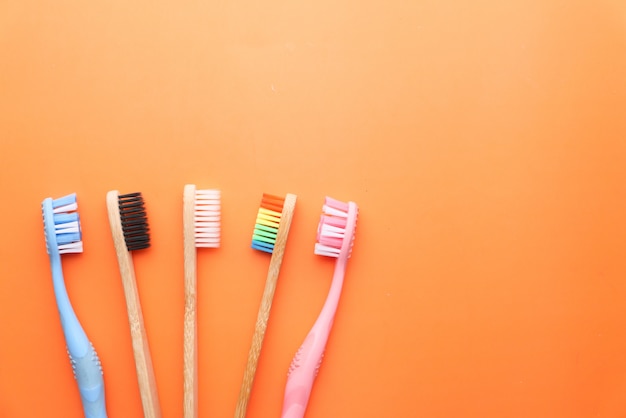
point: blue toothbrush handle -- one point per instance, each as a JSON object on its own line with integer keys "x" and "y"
{"x": 83, "y": 357}
{"x": 88, "y": 374}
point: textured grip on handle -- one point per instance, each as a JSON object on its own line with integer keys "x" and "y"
{"x": 306, "y": 363}
{"x": 88, "y": 373}
{"x": 83, "y": 358}
{"x": 303, "y": 370}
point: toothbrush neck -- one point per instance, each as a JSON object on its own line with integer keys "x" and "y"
{"x": 60, "y": 292}
{"x": 75, "y": 338}
{"x": 332, "y": 300}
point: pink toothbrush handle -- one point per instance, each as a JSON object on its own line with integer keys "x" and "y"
{"x": 303, "y": 370}
{"x": 307, "y": 361}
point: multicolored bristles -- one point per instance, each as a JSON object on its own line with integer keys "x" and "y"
{"x": 267, "y": 223}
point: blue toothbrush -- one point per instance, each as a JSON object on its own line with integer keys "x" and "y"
{"x": 63, "y": 235}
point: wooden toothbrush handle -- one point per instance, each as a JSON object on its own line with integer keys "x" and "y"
{"x": 266, "y": 305}
{"x": 190, "y": 325}
{"x": 141, "y": 350}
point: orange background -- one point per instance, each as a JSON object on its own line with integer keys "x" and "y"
{"x": 485, "y": 143}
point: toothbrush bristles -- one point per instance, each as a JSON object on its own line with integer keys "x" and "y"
{"x": 207, "y": 218}
{"x": 66, "y": 208}
{"x": 66, "y": 222}
{"x": 267, "y": 223}
{"x": 134, "y": 221}
{"x": 331, "y": 231}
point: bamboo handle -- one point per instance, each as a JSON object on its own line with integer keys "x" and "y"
{"x": 266, "y": 305}
{"x": 141, "y": 350}
{"x": 190, "y": 326}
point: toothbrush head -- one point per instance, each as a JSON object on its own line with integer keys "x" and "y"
{"x": 336, "y": 230}
{"x": 207, "y": 218}
{"x": 62, "y": 225}
{"x": 267, "y": 223}
{"x": 134, "y": 221}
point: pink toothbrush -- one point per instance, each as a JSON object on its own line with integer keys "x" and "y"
{"x": 335, "y": 236}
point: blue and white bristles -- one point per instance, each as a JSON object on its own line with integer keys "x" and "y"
{"x": 66, "y": 235}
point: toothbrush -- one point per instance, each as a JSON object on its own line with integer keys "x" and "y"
{"x": 335, "y": 236}
{"x": 270, "y": 236}
{"x": 63, "y": 236}
{"x": 201, "y": 228}
{"x": 129, "y": 227}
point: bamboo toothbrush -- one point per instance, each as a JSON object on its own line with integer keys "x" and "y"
{"x": 201, "y": 228}
{"x": 63, "y": 235}
{"x": 270, "y": 235}
{"x": 129, "y": 227}
{"x": 335, "y": 236}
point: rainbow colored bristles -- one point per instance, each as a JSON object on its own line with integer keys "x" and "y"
{"x": 267, "y": 222}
